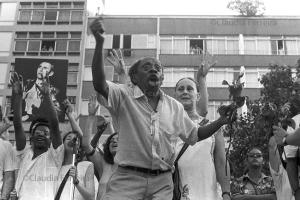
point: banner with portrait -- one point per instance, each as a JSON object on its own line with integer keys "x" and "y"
{"x": 34, "y": 72}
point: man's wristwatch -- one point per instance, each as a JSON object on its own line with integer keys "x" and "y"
{"x": 76, "y": 181}
{"x": 284, "y": 143}
{"x": 228, "y": 193}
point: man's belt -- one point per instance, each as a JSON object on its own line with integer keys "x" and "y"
{"x": 153, "y": 172}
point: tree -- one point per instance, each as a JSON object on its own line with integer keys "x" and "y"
{"x": 255, "y": 128}
{"x": 247, "y": 8}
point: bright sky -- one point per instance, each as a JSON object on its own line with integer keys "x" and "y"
{"x": 187, "y": 7}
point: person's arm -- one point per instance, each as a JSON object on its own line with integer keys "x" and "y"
{"x": 206, "y": 63}
{"x": 51, "y": 114}
{"x": 98, "y": 73}
{"x": 254, "y": 197}
{"x": 291, "y": 139}
{"x": 70, "y": 114}
{"x": 208, "y": 130}
{"x": 8, "y": 184}
{"x": 119, "y": 65}
{"x": 96, "y": 158}
{"x": 17, "y": 94}
{"x": 100, "y": 131}
{"x": 274, "y": 157}
{"x": 86, "y": 188}
{"x": 223, "y": 177}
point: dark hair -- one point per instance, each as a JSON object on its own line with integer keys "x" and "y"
{"x": 133, "y": 69}
{"x": 38, "y": 122}
{"x": 190, "y": 78}
{"x": 80, "y": 153}
{"x": 107, "y": 155}
{"x": 254, "y": 147}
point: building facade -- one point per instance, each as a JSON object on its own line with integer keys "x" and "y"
{"x": 178, "y": 41}
{"x": 43, "y": 29}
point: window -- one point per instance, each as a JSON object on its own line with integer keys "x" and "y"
{"x": 74, "y": 46}
{"x": 78, "y": 5}
{"x": 277, "y": 46}
{"x": 34, "y": 34}
{"x": 76, "y": 35}
{"x": 179, "y": 45}
{"x": 166, "y": 45}
{"x": 62, "y": 34}
{"x": 173, "y": 74}
{"x": 216, "y": 45}
{"x": 257, "y": 45}
{"x": 20, "y": 45}
{"x": 34, "y": 46}
{"x": 65, "y": 4}
{"x": 116, "y": 42}
{"x": 292, "y": 45}
{"x": 216, "y": 75}
{"x": 25, "y": 15}
{"x": 232, "y": 45}
{"x": 107, "y": 43}
{"x": 38, "y": 15}
{"x": 72, "y": 78}
{"x": 196, "y": 46}
{"x": 48, "y": 34}
{"x": 76, "y": 16}
{"x": 50, "y": 15}
{"x": 21, "y": 35}
{"x": 38, "y": 4}
{"x": 25, "y": 5}
{"x": 127, "y": 45}
{"x": 52, "y": 4}
{"x": 4, "y": 70}
{"x": 61, "y": 45}
{"x": 48, "y": 45}
{"x": 72, "y": 99}
{"x": 64, "y": 16}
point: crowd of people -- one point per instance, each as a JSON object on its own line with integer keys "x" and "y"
{"x": 153, "y": 137}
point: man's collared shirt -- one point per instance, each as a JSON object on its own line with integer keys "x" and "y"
{"x": 244, "y": 185}
{"x": 146, "y": 137}
{"x": 37, "y": 177}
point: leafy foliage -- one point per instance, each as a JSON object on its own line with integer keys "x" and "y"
{"x": 255, "y": 129}
{"x": 247, "y": 7}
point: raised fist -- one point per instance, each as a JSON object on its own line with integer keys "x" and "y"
{"x": 97, "y": 29}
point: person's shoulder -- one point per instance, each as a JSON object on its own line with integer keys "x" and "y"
{"x": 171, "y": 100}
{"x": 85, "y": 164}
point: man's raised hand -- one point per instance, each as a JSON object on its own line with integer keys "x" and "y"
{"x": 207, "y": 61}
{"x": 17, "y": 84}
{"x": 93, "y": 105}
{"x": 97, "y": 29}
{"x": 117, "y": 61}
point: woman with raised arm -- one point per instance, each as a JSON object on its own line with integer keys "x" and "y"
{"x": 201, "y": 166}
{"x": 103, "y": 161}
{"x": 83, "y": 171}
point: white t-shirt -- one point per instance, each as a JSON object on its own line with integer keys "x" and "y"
{"x": 85, "y": 173}
{"x": 282, "y": 184}
{"x": 291, "y": 151}
{"x": 197, "y": 171}
{"x": 7, "y": 159}
{"x": 37, "y": 177}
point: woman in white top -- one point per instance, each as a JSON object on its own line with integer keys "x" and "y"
{"x": 103, "y": 161}
{"x": 201, "y": 166}
{"x": 83, "y": 173}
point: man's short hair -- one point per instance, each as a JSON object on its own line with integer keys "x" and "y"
{"x": 133, "y": 69}
{"x": 36, "y": 123}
